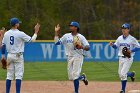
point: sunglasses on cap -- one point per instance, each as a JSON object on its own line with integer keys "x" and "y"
{"x": 125, "y": 28}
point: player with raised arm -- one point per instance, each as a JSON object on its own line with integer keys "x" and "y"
{"x": 127, "y": 46}
{"x": 2, "y": 31}
{"x": 13, "y": 41}
{"x": 75, "y": 44}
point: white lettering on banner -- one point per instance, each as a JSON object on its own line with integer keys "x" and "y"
{"x": 100, "y": 51}
{"x": 98, "y": 48}
{"x": 106, "y": 52}
{"x": 47, "y": 49}
{"x": 88, "y": 54}
{"x": 60, "y": 51}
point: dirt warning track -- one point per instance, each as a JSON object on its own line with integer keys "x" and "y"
{"x": 67, "y": 87}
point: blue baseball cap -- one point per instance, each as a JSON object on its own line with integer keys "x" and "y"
{"x": 126, "y": 25}
{"x": 76, "y": 24}
{"x": 14, "y": 21}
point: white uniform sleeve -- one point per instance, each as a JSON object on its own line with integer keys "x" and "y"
{"x": 34, "y": 37}
{"x": 59, "y": 40}
{"x": 84, "y": 42}
{"x": 136, "y": 43}
{"x": 25, "y": 37}
{"x": 117, "y": 42}
{"x": 63, "y": 39}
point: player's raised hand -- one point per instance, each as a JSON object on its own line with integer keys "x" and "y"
{"x": 3, "y": 30}
{"x": 57, "y": 30}
{"x": 37, "y": 26}
{"x": 111, "y": 43}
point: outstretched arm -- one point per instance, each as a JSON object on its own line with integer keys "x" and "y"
{"x": 113, "y": 45}
{"x": 136, "y": 45}
{"x": 2, "y": 42}
{"x": 56, "y": 37}
{"x": 36, "y": 28}
{"x": 2, "y": 31}
{"x": 27, "y": 38}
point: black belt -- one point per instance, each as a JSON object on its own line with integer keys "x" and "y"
{"x": 123, "y": 56}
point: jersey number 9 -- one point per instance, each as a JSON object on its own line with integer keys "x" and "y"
{"x": 11, "y": 40}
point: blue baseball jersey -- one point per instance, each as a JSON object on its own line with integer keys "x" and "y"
{"x": 130, "y": 42}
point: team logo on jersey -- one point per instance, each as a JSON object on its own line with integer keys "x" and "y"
{"x": 69, "y": 41}
{"x": 125, "y": 44}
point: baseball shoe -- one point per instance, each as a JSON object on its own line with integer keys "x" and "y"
{"x": 133, "y": 78}
{"x": 122, "y": 91}
{"x": 85, "y": 79}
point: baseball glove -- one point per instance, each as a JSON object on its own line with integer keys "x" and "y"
{"x": 4, "y": 63}
{"x": 77, "y": 42}
{"x": 126, "y": 52}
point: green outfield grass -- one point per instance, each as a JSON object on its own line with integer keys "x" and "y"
{"x": 96, "y": 71}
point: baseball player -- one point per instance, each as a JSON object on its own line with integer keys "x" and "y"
{"x": 13, "y": 41}
{"x": 74, "y": 54}
{"x": 129, "y": 42}
{"x": 2, "y": 31}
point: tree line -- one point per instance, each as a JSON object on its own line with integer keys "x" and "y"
{"x": 99, "y": 19}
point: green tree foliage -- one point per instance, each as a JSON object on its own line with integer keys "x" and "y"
{"x": 99, "y": 19}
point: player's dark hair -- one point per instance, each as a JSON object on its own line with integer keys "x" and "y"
{"x": 78, "y": 29}
{"x": 13, "y": 25}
